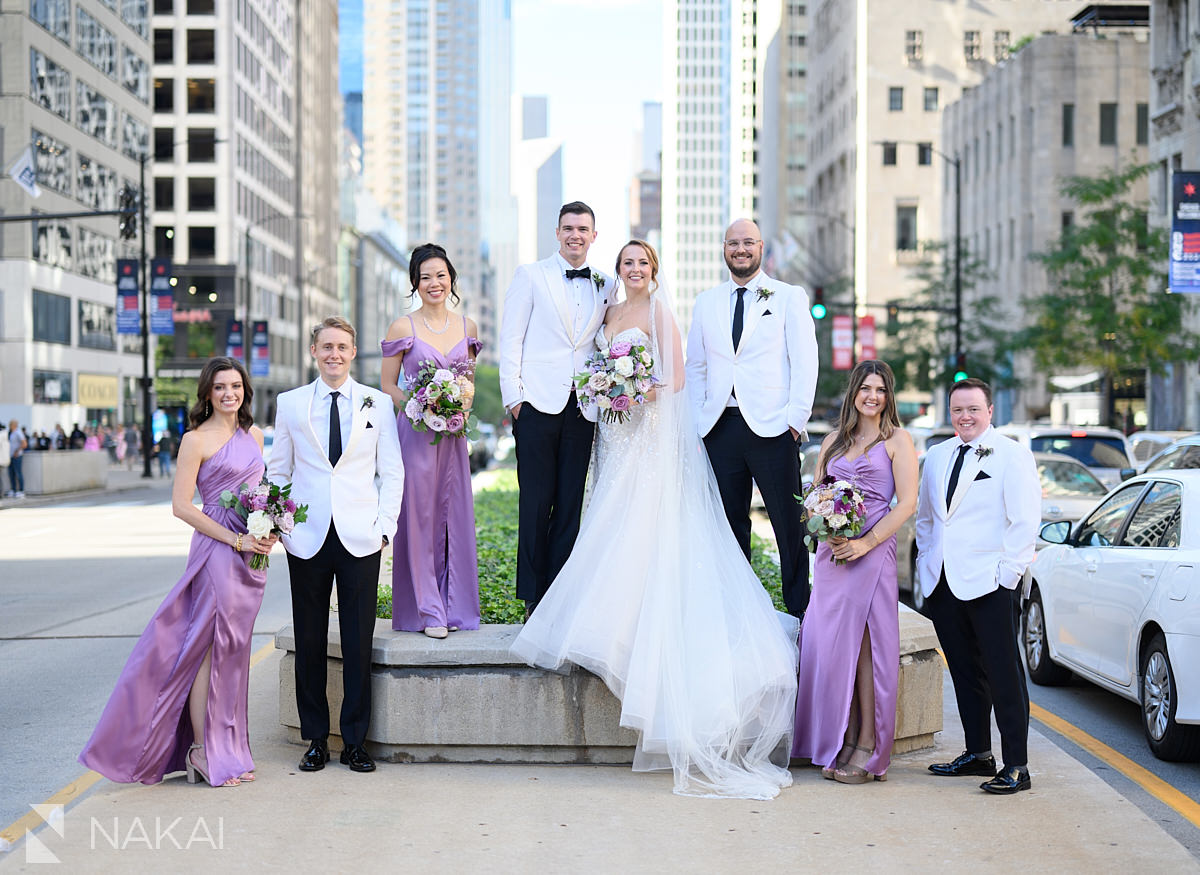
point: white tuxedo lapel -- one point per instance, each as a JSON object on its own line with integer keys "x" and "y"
{"x": 358, "y": 421}
{"x": 754, "y": 309}
{"x": 309, "y": 431}
{"x": 556, "y": 286}
{"x": 725, "y": 319}
{"x": 966, "y": 477}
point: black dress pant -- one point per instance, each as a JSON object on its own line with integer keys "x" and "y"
{"x": 741, "y": 458}
{"x": 553, "y": 451}
{"x": 979, "y": 640}
{"x": 357, "y": 585}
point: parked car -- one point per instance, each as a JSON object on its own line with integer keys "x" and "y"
{"x": 1145, "y": 445}
{"x": 926, "y": 438}
{"x": 1184, "y": 453}
{"x": 1104, "y": 450}
{"x": 1116, "y": 600}
{"x": 483, "y": 447}
{"x": 1069, "y": 490}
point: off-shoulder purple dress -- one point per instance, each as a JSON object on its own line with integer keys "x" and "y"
{"x": 144, "y": 732}
{"x": 435, "y": 576}
{"x": 845, "y": 599}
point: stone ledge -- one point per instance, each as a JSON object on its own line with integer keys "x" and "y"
{"x": 467, "y": 699}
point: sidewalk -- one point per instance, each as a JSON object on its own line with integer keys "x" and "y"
{"x": 118, "y": 480}
{"x": 473, "y": 818}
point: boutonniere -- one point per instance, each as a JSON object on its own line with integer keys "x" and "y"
{"x": 764, "y": 293}
{"x": 982, "y": 453}
{"x": 368, "y": 402}
{"x": 598, "y": 279}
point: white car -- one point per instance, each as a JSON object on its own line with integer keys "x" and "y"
{"x": 1116, "y": 600}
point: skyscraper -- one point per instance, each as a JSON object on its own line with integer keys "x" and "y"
{"x": 537, "y": 183}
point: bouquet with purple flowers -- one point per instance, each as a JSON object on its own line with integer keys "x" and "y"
{"x": 267, "y": 509}
{"x": 440, "y": 400}
{"x": 833, "y": 509}
{"x": 616, "y": 380}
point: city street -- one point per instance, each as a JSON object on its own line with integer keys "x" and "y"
{"x": 79, "y": 579}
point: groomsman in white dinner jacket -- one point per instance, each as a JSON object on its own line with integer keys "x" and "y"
{"x": 752, "y": 373}
{"x": 552, "y": 311}
{"x": 978, "y": 515}
{"x": 336, "y": 443}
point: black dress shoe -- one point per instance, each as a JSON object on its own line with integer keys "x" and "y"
{"x": 966, "y": 764}
{"x": 1008, "y": 781}
{"x": 356, "y": 757}
{"x": 316, "y": 756}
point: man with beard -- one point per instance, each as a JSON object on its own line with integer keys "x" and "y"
{"x": 752, "y": 374}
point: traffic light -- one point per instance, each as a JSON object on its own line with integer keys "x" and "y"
{"x": 960, "y": 367}
{"x": 129, "y": 210}
{"x": 893, "y": 318}
{"x": 818, "y": 303}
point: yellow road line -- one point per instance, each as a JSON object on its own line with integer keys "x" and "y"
{"x": 1187, "y": 807}
{"x": 68, "y": 794}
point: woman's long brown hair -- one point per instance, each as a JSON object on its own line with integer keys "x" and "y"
{"x": 889, "y": 418}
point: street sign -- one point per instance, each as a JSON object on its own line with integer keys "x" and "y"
{"x": 128, "y": 315}
{"x": 866, "y": 337}
{"x": 1185, "y": 233}
{"x": 843, "y": 342}
{"x": 162, "y": 315}
{"x": 260, "y": 351}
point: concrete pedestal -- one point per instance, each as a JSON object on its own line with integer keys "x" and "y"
{"x": 52, "y": 471}
{"x": 466, "y": 699}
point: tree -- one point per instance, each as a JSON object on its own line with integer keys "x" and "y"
{"x": 487, "y": 406}
{"x": 1107, "y": 307}
{"x": 921, "y": 345}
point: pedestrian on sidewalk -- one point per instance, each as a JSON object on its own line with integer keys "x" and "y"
{"x": 17, "y": 445}
{"x": 133, "y": 442}
{"x": 166, "y": 443}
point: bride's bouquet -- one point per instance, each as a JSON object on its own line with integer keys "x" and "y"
{"x": 616, "y": 380}
{"x": 833, "y": 509}
{"x": 267, "y": 509}
{"x": 440, "y": 400}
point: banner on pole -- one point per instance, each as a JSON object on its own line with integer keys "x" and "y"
{"x": 1184, "y": 274}
{"x": 128, "y": 314}
{"x": 843, "y": 342}
{"x": 260, "y": 351}
{"x": 233, "y": 339}
{"x": 866, "y": 338}
{"x": 162, "y": 313}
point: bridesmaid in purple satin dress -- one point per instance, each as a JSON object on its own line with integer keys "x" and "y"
{"x": 850, "y": 639}
{"x": 435, "y": 577}
{"x": 181, "y": 700}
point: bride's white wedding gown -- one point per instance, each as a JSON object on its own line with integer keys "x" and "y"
{"x": 658, "y": 600}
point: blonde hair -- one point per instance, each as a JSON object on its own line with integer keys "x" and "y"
{"x": 339, "y": 322}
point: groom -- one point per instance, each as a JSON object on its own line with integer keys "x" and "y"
{"x": 335, "y": 441}
{"x": 752, "y": 374}
{"x": 551, "y": 313}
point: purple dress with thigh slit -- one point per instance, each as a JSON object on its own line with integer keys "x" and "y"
{"x": 144, "y": 732}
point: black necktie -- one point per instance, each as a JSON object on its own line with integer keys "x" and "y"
{"x": 954, "y": 472}
{"x": 583, "y": 273}
{"x": 335, "y": 429}
{"x": 739, "y": 313}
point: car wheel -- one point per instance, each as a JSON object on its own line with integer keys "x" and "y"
{"x": 1042, "y": 670}
{"x": 1168, "y": 740}
{"x": 918, "y": 597}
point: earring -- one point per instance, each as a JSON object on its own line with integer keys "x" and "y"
{"x": 207, "y": 409}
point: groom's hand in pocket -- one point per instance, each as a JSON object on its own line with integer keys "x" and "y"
{"x": 516, "y": 410}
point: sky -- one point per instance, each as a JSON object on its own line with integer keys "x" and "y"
{"x": 597, "y": 61}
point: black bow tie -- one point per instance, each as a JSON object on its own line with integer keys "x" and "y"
{"x": 583, "y": 273}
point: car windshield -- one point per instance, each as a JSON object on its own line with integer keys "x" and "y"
{"x": 1095, "y": 452}
{"x": 1068, "y": 479}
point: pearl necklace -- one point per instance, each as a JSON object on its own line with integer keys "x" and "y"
{"x": 442, "y": 330}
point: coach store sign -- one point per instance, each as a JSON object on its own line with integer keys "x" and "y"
{"x": 98, "y": 392}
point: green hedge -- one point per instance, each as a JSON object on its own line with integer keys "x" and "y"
{"x": 496, "y": 541}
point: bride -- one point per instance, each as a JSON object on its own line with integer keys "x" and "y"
{"x": 657, "y": 598}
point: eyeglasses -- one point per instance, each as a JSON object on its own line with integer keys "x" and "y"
{"x": 748, "y": 243}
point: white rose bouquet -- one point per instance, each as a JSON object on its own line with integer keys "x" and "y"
{"x": 616, "y": 380}
{"x": 440, "y": 400}
{"x": 832, "y": 509}
{"x": 267, "y": 509}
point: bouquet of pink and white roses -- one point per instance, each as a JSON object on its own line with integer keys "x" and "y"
{"x": 616, "y": 380}
{"x": 440, "y": 400}
{"x": 833, "y": 509}
{"x": 267, "y": 509}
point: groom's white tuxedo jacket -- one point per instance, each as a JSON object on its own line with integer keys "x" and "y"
{"x": 986, "y": 538}
{"x": 362, "y": 493}
{"x": 774, "y": 369}
{"x": 540, "y": 352}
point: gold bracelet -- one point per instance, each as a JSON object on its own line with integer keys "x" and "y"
{"x": 237, "y": 545}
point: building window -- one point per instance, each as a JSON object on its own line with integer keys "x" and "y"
{"x": 202, "y": 242}
{"x": 164, "y": 46}
{"x": 52, "y": 162}
{"x": 895, "y": 99}
{"x": 49, "y": 84}
{"x": 906, "y": 229}
{"x": 164, "y": 242}
{"x": 1143, "y": 124}
{"x": 135, "y": 74}
{"x": 136, "y": 14}
{"x": 201, "y": 95}
{"x": 95, "y": 184}
{"x": 889, "y": 154}
{"x": 52, "y": 245}
{"x": 164, "y": 192}
{"x": 201, "y": 47}
{"x": 135, "y": 137}
{"x": 52, "y": 387}
{"x": 164, "y": 95}
{"x": 51, "y": 317}
{"x": 1108, "y": 124}
{"x": 164, "y": 144}
{"x": 164, "y": 7}
{"x": 1001, "y": 45}
{"x": 972, "y": 45}
{"x": 95, "y": 114}
{"x": 54, "y": 15}
{"x": 202, "y": 194}
{"x": 931, "y": 98}
{"x": 96, "y": 43}
{"x": 1068, "y": 125}
{"x": 914, "y": 45}
{"x": 201, "y": 7}
{"x": 1066, "y": 220}
{"x": 202, "y": 145}
{"x": 924, "y": 154}
{"x": 97, "y": 325}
